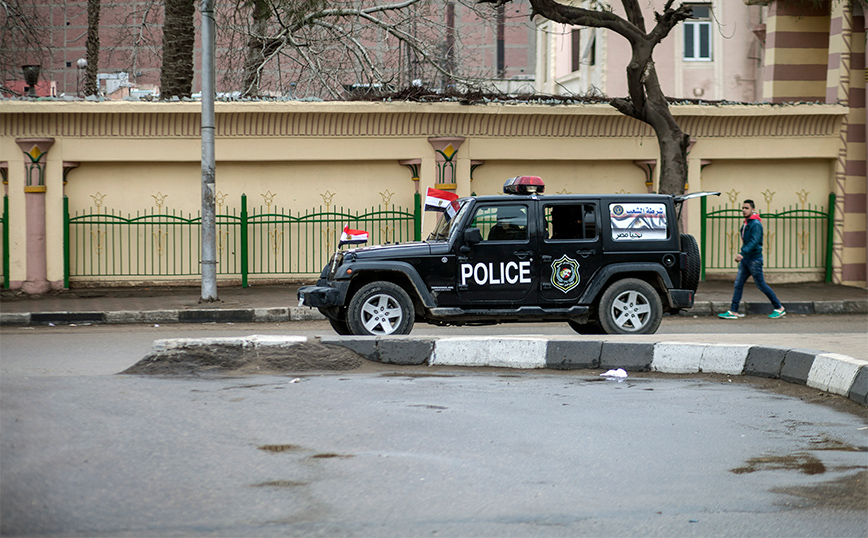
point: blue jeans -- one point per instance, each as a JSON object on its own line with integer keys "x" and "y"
{"x": 752, "y": 268}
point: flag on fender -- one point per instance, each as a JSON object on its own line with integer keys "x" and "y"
{"x": 437, "y": 200}
{"x": 353, "y": 237}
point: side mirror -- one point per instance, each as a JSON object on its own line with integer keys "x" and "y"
{"x": 472, "y": 236}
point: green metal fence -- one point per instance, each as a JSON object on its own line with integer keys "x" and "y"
{"x": 4, "y": 242}
{"x": 265, "y": 241}
{"x": 794, "y": 238}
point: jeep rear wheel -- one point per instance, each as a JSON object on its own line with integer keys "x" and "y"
{"x": 690, "y": 273}
{"x": 380, "y": 308}
{"x": 630, "y": 306}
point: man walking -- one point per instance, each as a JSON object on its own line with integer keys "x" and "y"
{"x": 750, "y": 263}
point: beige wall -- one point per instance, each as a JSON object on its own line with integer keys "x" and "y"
{"x": 347, "y": 154}
{"x": 567, "y": 177}
{"x": 770, "y": 183}
{"x": 133, "y": 186}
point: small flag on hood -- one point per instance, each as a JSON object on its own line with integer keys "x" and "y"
{"x": 352, "y": 237}
{"x": 437, "y": 200}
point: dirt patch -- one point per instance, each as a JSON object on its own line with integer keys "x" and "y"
{"x": 235, "y": 360}
{"x": 281, "y": 484}
{"x": 847, "y": 493}
{"x": 280, "y": 448}
{"x": 802, "y": 462}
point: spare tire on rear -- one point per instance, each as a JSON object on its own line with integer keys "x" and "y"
{"x": 690, "y": 272}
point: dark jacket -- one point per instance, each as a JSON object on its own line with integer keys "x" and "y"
{"x": 752, "y": 236}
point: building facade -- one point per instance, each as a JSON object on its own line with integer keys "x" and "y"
{"x": 751, "y": 51}
{"x": 108, "y": 193}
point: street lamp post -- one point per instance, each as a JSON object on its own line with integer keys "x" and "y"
{"x": 209, "y": 224}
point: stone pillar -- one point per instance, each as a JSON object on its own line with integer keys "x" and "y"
{"x": 691, "y": 213}
{"x": 474, "y": 164}
{"x": 418, "y": 197}
{"x": 445, "y": 150}
{"x": 36, "y": 157}
{"x": 427, "y": 178}
{"x": 68, "y": 166}
{"x": 648, "y": 168}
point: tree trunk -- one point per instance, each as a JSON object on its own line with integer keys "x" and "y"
{"x": 255, "y": 48}
{"x": 91, "y": 86}
{"x": 672, "y": 140}
{"x": 179, "y": 34}
{"x": 647, "y": 102}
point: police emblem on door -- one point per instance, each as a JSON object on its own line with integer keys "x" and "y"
{"x": 565, "y": 273}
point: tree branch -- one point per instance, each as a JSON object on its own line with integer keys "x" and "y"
{"x": 576, "y": 16}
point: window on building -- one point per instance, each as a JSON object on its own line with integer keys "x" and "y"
{"x": 575, "y": 48}
{"x": 697, "y": 34}
{"x": 578, "y": 56}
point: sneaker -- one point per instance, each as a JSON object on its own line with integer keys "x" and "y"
{"x": 778, "y": 313}
{"x": 729, "y": 314}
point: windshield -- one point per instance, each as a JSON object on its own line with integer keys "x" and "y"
{"x": 444, "y": 229}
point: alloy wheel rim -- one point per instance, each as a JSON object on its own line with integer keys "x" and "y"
{"x": 381, "y": 314}
{"x": 631, "y": 310}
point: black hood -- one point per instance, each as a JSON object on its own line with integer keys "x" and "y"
{"x": 399, "y": 250}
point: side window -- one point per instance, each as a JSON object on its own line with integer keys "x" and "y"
{"x": 571, "y": 222}
{"x": 502, "y": 222}
{"x": 632, "y": 222}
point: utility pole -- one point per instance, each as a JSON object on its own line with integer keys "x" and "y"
{"x": 209, "y": 220}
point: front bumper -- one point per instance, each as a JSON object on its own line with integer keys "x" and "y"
{"x": 319, "y": 296}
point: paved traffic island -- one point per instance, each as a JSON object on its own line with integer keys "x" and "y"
{"x": 829, "y": 372}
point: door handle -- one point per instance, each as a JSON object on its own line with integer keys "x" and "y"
{"x": 585, "y": 252}
{"x": 522, "y": 254}
{"x": 546, "y": 258}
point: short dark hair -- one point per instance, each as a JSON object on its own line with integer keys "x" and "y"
{"x": 749, "y": 201}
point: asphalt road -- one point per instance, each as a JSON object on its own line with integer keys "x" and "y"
{"x": 96, "y": 348}
{"x": 413, "y": 451}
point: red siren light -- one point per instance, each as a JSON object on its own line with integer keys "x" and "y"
{"x": 524, "y": 185}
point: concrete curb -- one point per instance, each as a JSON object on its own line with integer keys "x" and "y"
{"x": 828, "y": 372}
{"x": 198, "y": 315}
{"x": 303, "y": 313}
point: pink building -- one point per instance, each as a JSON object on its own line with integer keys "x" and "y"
{"x": 717, "y": 55}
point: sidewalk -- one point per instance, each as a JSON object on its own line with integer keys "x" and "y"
{"x": 274, "y": 303}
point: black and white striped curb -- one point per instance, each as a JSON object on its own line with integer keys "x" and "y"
{"x": 302, "y": 313}
{"x": 829, "y": 372}
{"x": 198, "y": 315}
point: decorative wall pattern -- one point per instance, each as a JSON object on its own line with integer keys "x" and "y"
{"x": 535, "y": 122}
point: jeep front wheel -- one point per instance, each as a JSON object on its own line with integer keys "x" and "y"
{"x": 630, "y": 306}
{"x": 340, "y": 327}
{"x": 380, "y": 308}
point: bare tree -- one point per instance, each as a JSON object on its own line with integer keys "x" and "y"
{"x": 326, "y": 49}
{"x": 135, "y": 45}
{"x": 179, "y": 33}
{"x": 646, "y": 101}
{"x": 23, "y": 39}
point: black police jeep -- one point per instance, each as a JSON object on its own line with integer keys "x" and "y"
{"x": 604, "y": 263}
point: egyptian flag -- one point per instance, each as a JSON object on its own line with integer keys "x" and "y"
{"x": 437, "y": 200}
{"x": 352, "y": 237}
